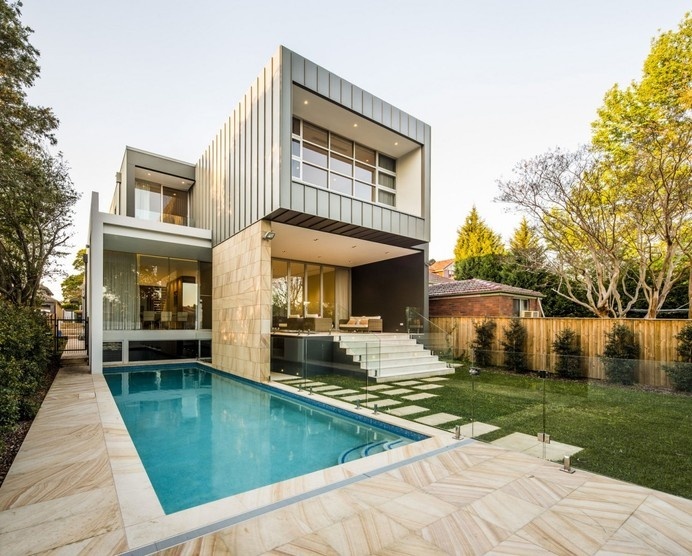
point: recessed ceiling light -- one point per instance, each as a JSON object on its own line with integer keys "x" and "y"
{"x": 305, "y": 102}
{"x": 355, "y": 125}
{"x": 396, "y": 143}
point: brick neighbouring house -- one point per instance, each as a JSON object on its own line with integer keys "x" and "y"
{"x": 444, "y": 268}
{"x": 481, "y": 298}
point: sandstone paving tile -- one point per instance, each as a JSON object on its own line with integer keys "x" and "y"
{"x": 411, "y": 545}
{"x": 365, "y": 533}
{"x": 464, "y": 532}
{"x": 308, "y": 545}
{"x": 254, "y": 537}
{"x": 416, "y": 510}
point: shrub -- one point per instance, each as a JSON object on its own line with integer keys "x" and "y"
{"x": 680, "y": 372}
{"x": 25, "y": 355}
{"x": 485, "y": 333}
{"x": 620, "y": 354}
{"x": 568, "y": 362}
{"x": 514, "y": 345}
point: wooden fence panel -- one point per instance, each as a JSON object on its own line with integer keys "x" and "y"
{"x": 656, "y": 339}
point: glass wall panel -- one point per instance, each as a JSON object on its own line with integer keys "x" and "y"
{"x": 342, "y": 146}
{"x": 205, "y": 295}
{"x": 120, "y": 294}
{"x": 363, "y": 191}
{"x": 182, "y": 295}
{"x": 341, "y": 184}
{"x": 323, "y": 158}
{"x": 315, "y": 155}
{"x": 147, "y": 201}
{"x": 313, "y": 301}
{"x": 162, "y": 350}
{"x": 174, "y": 209}
{"x": 112, "y": 352}
{"x": 341, "y": 165}
{"x": 313, "y": 175}
{"x": 328, "y": 292}
{"x": 363, "y": 154}
{"x": 296, "y": 289}
{"x": 365, "y": 173}
{"x": 279, "y": 293}
{"x": 386, "y": 180}
{"x": 315, "y": 134}
{"x": 387, "y": 163}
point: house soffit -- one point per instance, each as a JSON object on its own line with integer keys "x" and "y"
{"x": 338, "y": 119}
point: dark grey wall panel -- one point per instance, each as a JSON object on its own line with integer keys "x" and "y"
{"x": 369, "y": 281}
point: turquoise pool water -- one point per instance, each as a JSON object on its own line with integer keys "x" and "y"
{"x": 203, "y": 436}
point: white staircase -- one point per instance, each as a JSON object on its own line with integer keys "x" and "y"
{"x": 389, "y": 357}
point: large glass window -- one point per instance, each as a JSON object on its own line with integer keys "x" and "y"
{"x": 327, "y": 160}
{"x": 155, "y": 293}
{"x": 307, "y": 290}
{"x": 160, "y": 204}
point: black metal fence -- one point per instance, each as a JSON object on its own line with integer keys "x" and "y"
{"x": 71, "y": 334}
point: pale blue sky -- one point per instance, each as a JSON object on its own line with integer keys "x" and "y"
{"x": 498, "y": 80}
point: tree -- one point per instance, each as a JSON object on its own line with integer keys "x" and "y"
{"x": 20, "y": 123}
{"x": 525, "y": 244}
{"x": 72, "y": 285}
{"x": 645, "y": 133}
{"x": 569, "y": 196}
{"x": 514, "y": 345}
{"x": 476, "y": 238}
{"x": 36, "y": 194}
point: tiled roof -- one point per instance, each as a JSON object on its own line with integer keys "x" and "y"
{"x": 474, "y": 286}
{"x": 439, "y": 266}
{"x": 437, "y": 279}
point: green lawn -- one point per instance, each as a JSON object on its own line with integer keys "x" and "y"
{"x": 628, "y": 433}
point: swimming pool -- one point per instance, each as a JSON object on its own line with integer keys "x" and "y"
{"x": 203, "y": 435}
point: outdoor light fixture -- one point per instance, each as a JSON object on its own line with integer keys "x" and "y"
{"x": 269, "y": 235}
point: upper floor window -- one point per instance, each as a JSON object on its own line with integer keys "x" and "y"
{"x": 328, "y": 160}
{"x": 156, "y": 202}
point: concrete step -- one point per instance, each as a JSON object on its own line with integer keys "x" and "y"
{"x": 409, "y": 365}
{"x": 391, "y": 352}
{"x": 413, "y": 375}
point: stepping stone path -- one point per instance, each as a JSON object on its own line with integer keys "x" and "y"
{"x": 308, "y": 384}
{"x": 471, "y": 430}
{"x": 378, "y": 387}
{"x": 407, "y": 383}
{"x": 398, "y": 392}
{"x": 382, "y": 403}
{"x": 437, "y": 419}
{"x": 408, "y": 410}
{"x": 341, "y": 392}
{"x": 428, "y": 387}
{"x": 357, "y": 397}
{"x": 325, "y": 388}
{"x": 421, "y": 396}
{"x": 434, "y": 379}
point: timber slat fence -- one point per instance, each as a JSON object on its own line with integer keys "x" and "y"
{"x": 656, "y": 339}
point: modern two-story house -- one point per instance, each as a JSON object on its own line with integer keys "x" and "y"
{"x": 312, "y": 202}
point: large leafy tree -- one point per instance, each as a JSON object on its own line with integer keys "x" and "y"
{"x": 580, "y": 219}
{"x": 616, "y": 217}
{"x": 36, "y": 194}
{"x": 645, "y": 133}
